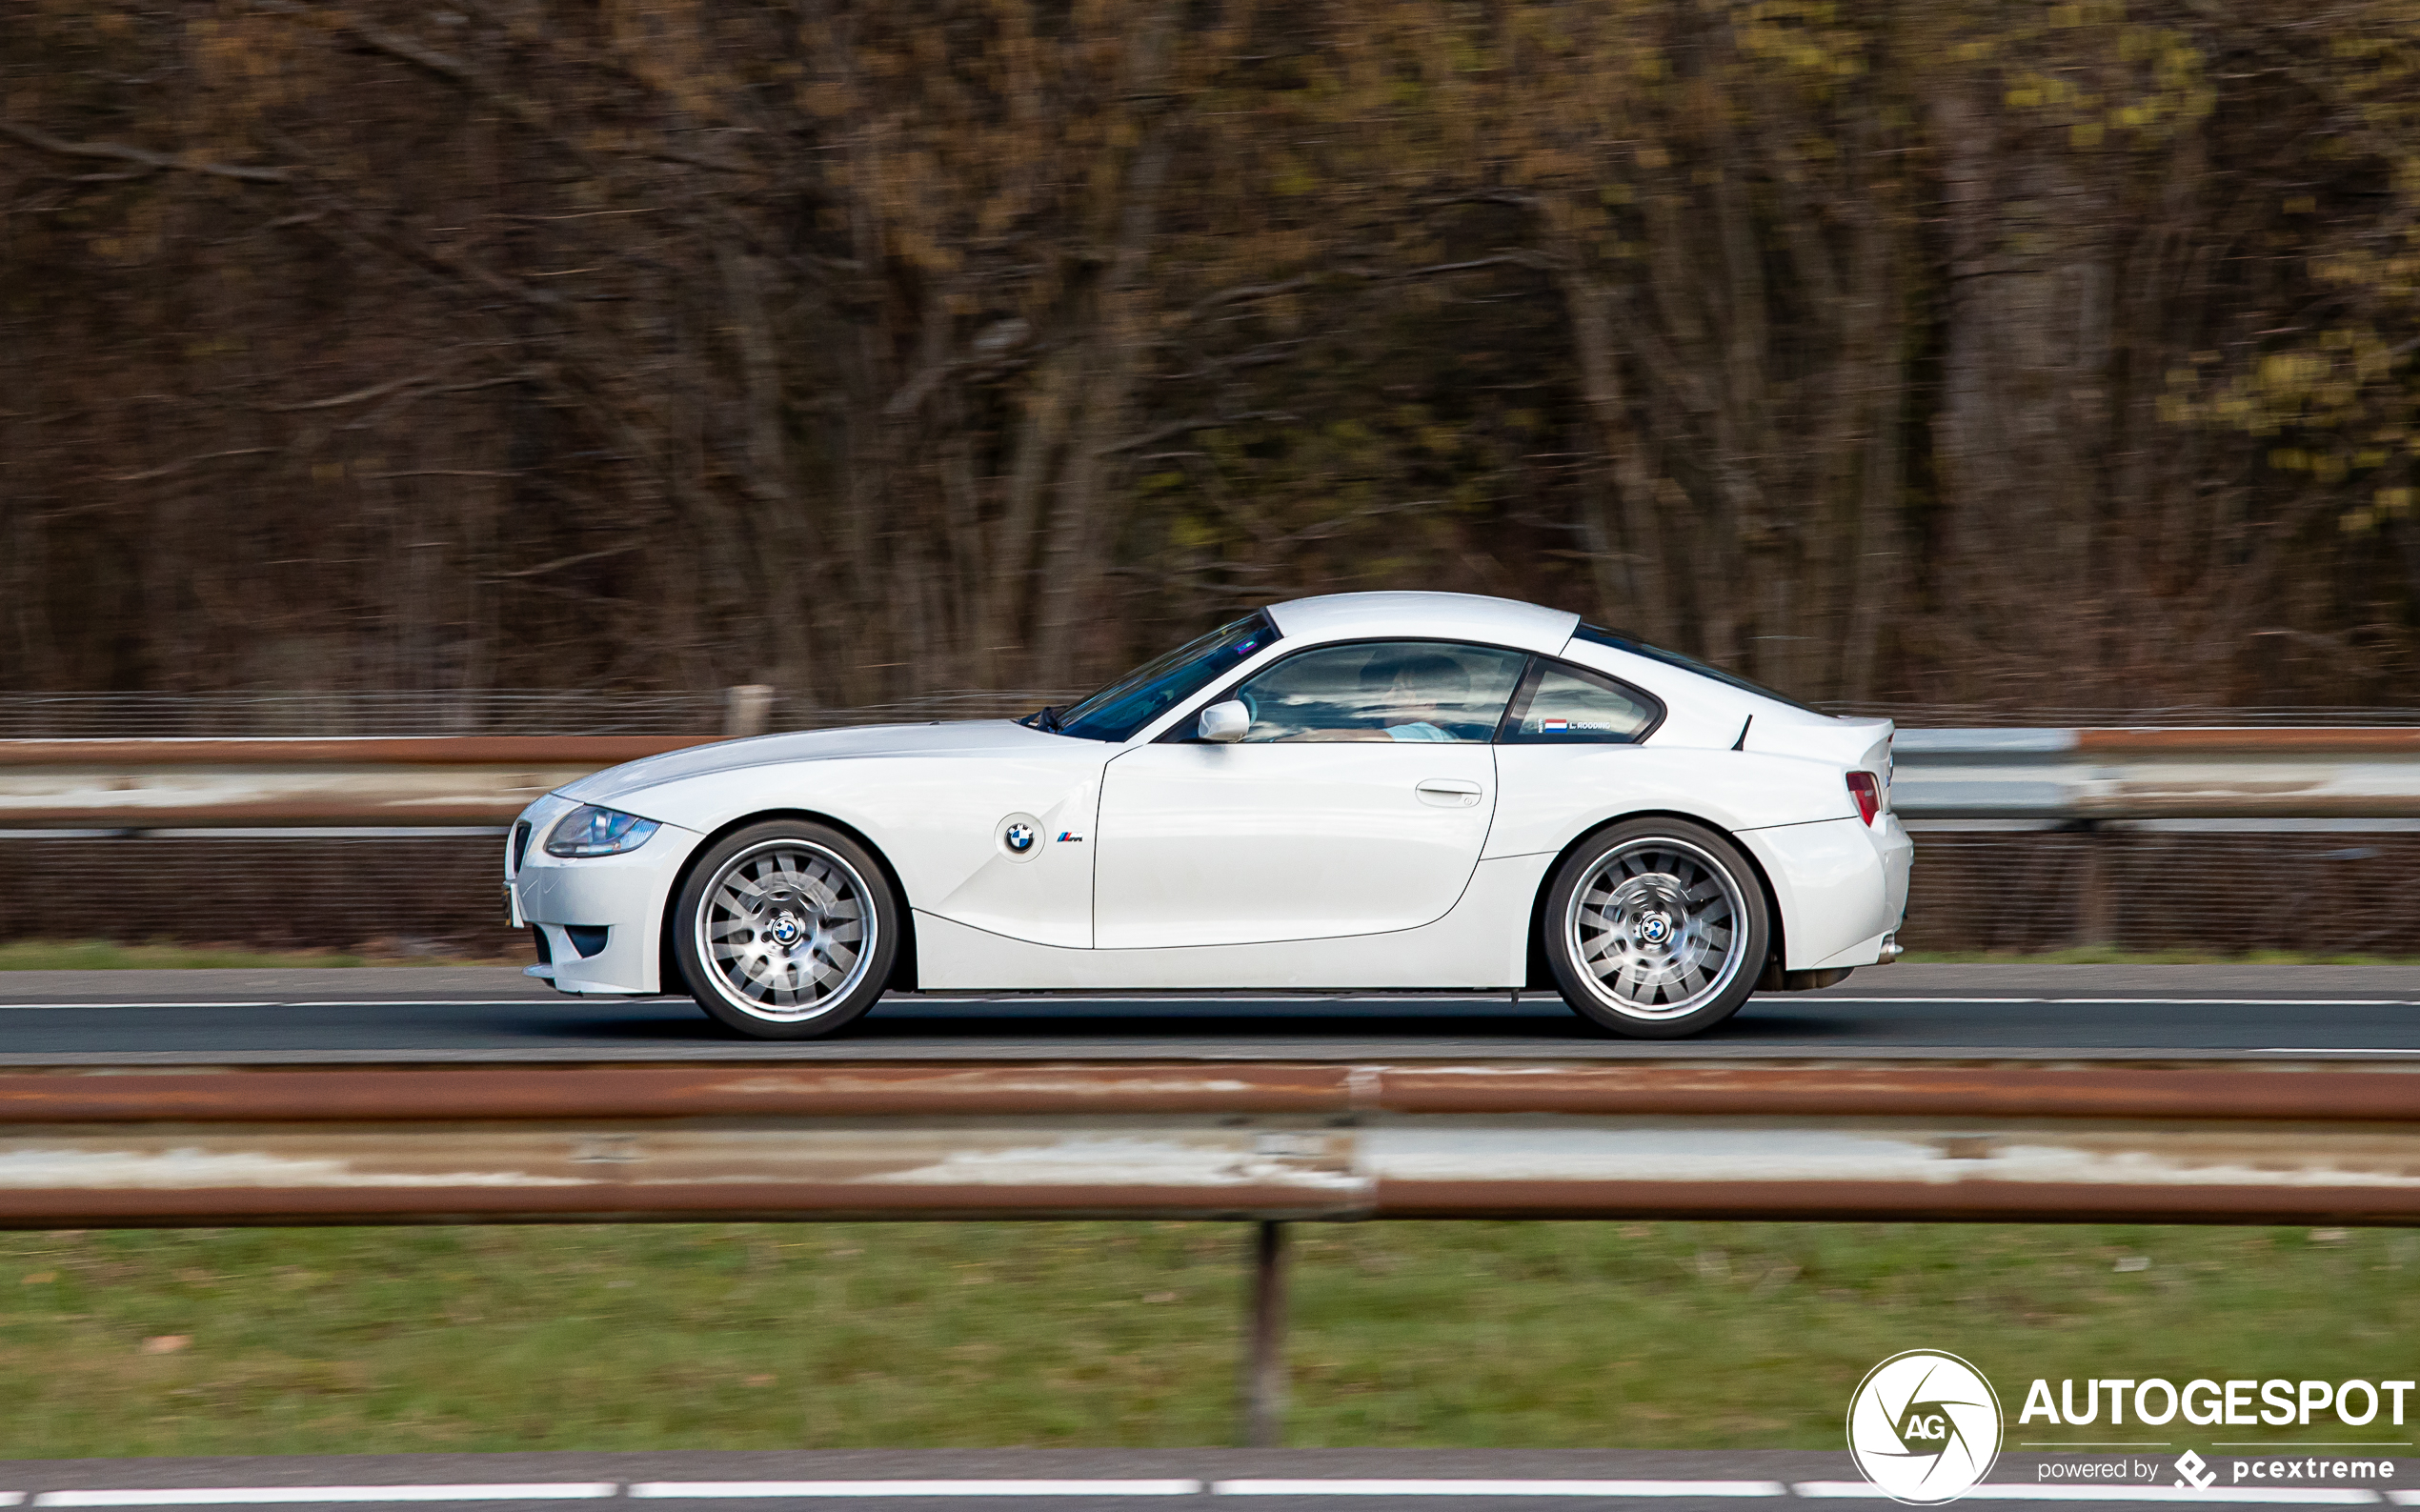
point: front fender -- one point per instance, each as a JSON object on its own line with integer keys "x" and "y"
{"x": 936, "y": 820}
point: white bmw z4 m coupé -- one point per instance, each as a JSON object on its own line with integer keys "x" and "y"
{"x": 1372, "y": 792}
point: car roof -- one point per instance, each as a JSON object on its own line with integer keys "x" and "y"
{"x": 1427, "y": 616}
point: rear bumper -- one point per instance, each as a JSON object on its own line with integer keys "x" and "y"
{"x": 1842, "y": 885}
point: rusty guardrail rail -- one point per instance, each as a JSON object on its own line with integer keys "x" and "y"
{"x": 2049, "y": 776}
{"x": 375, "y": 780}
{"x": 2179, "y": 1142}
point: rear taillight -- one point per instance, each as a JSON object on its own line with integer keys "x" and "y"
{"x": 1867, "y": 790}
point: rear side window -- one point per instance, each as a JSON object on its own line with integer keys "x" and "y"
{"x": 1599, "y": 636}
{"x": 1559, "y": 704}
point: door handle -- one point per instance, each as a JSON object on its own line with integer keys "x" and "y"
{"x": 1449, "y": 792}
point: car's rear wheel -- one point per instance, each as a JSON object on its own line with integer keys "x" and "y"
{"x": 1656, "y": 929}
{"x": 786, "y": 931}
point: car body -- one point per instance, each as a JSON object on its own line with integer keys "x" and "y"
{"x": 1339, "y": 844}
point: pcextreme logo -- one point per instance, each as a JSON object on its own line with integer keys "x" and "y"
{"x": 1924, "y": 1427}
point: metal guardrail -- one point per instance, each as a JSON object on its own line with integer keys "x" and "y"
{"x": 409, "y": 781}
{"x": 2087, "y": 775}
{"x": 748, "y": 709}
{"x": 1266, "y": 1143}
{"x": 2042, "y": 776}
{"x": 1971, "y": 1143}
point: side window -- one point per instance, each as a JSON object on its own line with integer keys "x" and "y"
{"x": 1564, "y": 705}
{"x": 1402, "y": 690}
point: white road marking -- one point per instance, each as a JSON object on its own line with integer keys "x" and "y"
{"x": 348, "y": 1002}
{"x": 552, "y": 998}
{"x": 1338, "y": 1488}
{"x": 670, "y": 1489}
{"x": 1054, "y": 1000}
{"x": 2252, "y": 1003}
{"x": 2297, "y": 1495}
{"x": 1875, "y": 1002}
{"x": 111, "y": 1003}
{"x": 252, "y": 1494}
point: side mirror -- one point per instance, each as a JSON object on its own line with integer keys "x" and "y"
{"x": 1225, "y": 722}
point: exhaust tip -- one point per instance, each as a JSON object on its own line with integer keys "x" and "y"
{"x": 1891, "y": 950}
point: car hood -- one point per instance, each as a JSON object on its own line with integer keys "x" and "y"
{"x": 616, "y": 785}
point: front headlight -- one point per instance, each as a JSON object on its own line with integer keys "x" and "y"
{"x": 591, "y": 830}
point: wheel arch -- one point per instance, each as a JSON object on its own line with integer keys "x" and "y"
{"x": 1539, "y": 977}
{"x": 902, "y": 966}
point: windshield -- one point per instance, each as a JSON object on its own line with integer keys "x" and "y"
{"x": 1149, "y": 691}
{"x": 1619, "y": 641}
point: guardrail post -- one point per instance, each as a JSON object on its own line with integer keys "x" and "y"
{"x": 747, "y": 709}
{"x": 2095, "y": 905}
{"x": 1264, "y": 1346}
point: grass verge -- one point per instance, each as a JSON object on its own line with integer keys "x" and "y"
{"x": 1645, "y": 1334}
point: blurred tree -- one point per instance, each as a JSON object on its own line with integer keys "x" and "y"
{"x": 2056, "y": 355}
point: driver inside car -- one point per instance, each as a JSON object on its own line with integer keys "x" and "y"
{"x": 1416, "y": 690}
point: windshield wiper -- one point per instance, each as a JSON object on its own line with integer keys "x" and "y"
{"x": 1044, "y": 718}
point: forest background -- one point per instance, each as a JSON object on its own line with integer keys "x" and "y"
{"x": 1910, "y": 351}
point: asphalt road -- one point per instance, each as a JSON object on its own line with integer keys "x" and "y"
{"x": 495, "y": 1013}
{"x": 1102, "y": 1480}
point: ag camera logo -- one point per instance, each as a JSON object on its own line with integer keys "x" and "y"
{"x": 1924, "y": 1427}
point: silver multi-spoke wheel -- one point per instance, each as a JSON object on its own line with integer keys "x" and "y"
{"x": 1656, "y": 927}
{"x": 786, "y": 928}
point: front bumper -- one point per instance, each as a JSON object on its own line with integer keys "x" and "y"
{"x": 602, "y": 916}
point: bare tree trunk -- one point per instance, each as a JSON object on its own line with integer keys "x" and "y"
{"x": 786, "y": 540}
{"x": 1633, "y": 587}
{"x": 2022, "y": 429}
{"x": 1873, "y": 578}
{"x": 1013, "y": 583}
{"x": 1119, "y": 341}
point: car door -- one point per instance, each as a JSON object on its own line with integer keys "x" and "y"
{"x": 1356, "y": 802}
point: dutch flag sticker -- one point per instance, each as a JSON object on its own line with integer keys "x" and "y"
{"x": 1554, "y": 726}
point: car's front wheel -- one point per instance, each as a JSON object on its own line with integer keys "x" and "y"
{"x": 786, "y": 930}
{"x": 1656, "y": 929}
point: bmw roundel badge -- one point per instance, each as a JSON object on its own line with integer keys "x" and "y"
{"x": 1020, "y": 836}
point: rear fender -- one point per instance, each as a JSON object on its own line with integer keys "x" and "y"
{"x": 1540, "y": 977}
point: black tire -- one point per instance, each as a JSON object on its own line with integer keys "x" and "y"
{"x": 1656, "y": 929}
{"x": 770, "y": 931}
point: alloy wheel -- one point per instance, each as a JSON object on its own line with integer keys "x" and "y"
{"x": 1657, "y": 928}
{"x": 787, "y": 929}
